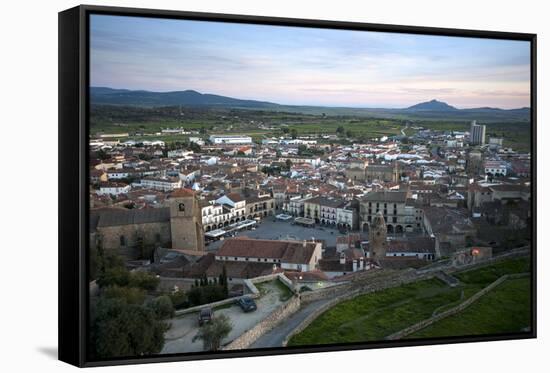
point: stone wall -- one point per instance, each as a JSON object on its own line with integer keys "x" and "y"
{"x": 267, "y": 324}
{"x": 349, "y": 291}
{"x": 461, "y": 307}
{"x": 168, "y": 283}
{"x": 152, "y": 234}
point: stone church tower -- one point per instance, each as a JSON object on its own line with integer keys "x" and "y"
{"x": 378, "y": 237}
{"x": 186, "y": 221}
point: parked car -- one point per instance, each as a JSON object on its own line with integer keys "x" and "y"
{"x": 205, "y": 315}
{"x": 247, "y": 304}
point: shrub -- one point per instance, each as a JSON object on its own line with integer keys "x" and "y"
{"x": 162, "y": 307}
{"x": 130, "y": 295}
{"x": 143, "y": 280}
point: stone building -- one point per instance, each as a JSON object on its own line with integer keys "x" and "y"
{"x": 382, "y": 172}
{"x": 259, "y": 206}
{"x": 356, "y": 170}
{"x": 371, "y": 172}
{"x": 186, "y": 221}
{"x": 129, "y": 230}
{"x": 400, "y": 214}
{"x": 378, "y": 243}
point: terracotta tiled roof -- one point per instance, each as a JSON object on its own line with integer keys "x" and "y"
{"x": 183, "y": 192}
{"x": 286, "y": 251}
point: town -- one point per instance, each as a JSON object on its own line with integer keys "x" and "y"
{"x": 292, "y": 221}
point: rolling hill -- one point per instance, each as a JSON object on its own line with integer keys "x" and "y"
{"x": 429, "y": 110}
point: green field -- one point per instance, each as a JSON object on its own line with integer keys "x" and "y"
{"x": 265, "y": 123}
{"x": 374, "y": 316}
{"x": 500, "y": 311}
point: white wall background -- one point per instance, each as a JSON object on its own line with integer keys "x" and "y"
{"x": 28, "y": 198}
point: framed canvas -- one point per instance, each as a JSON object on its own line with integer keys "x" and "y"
{"x": 235, "y": 186}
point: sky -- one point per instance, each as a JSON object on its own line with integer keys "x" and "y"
{"x": 307, "y": 66}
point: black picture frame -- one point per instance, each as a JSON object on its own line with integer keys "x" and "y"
{"x": 73, "y": 179}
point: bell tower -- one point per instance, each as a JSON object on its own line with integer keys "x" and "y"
{"x": 378, "y": 243}
{"x": 186, "y": 221}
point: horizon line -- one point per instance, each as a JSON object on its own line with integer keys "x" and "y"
{"x": 312, "y": 105}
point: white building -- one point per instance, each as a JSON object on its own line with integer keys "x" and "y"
{"x": 495, "y": 168}
{"x": 179, "y": 153}
{"x": 230, "y": 139}
{"x": 314, "y": 161}
{"x": 289, "y": 255}
{"x": 113, "y": 189}
{"x": 226, "y": 210}
{"x": 164, "y": 184}
{"x": 197, "y": 140}
{"x": 346, "y": 217}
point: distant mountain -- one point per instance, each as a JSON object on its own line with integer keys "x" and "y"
{"x": 110, "y": 96}
{"x": 432, "y": 105}
{"x": 430, "y": 110}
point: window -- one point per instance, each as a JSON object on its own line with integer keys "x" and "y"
{"x": 182, "y": 207}
{"x": 122, "y": 241}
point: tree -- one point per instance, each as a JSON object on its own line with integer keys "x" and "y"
{"x": 101, "y": 154}
{"x": 194, "y": 147}
{"x": 179, "y": 299}
{"x": 214, "y": 332}
{"x": 122, "y": 330}
{"x": 349, "y": 133}
{"x": 114, "y": 276}
{"x": 162, "y": 307}
{"x": 130, "y": 295}
{"x": 143, "y": 280}
{"x": 288, "y": 164}
{"x": 293, "y": 133}
{"x": 340, "y": 130}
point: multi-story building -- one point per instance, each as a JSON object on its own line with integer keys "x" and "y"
{"x": 314, "y": 161}
{"x": 477, "y": 134}
{"x": 164, "y": 184}
{"x": 113, "y": 188}
{"x": 400, "y": 214}
{"x": 295, "y": 206}
{"x": 382, "y": 172}
{"x": 347, "y": 215}
{"x": 328, "y": 210}
{"x": 312, "y": 208}
{"x": 259, "y": 206}
{"x": 495, "y": 168}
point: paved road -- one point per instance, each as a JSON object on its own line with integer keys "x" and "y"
{"x": 275, "y": 337}
{"x": 179, "y": 338}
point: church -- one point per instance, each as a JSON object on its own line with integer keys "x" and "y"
{"x": 178, "y": 226}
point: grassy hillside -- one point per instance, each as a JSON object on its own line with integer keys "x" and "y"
{"x": 374, "y": 316}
